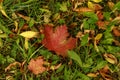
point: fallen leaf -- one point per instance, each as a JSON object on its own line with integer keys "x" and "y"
{"x": 29, "y": 34}
{"x": 111, "y": 5}
{"x": 98, "y": 7}
{"x": 83, "y": 9}
{"x": 55, "y": 67}
{"x": 93, "y": 74}
{"x": 116, "y": 31}
{"x": 24, "y": 17}
{"x": 116, "y": 42}
{"x": 105, "y": 73}
{"x": 97, "y": 1}
{"x": 24, "y": 27}
{"x": 96, "y": 40}
{"x": 57, "y": 40}
{"x": 90, "y": 5}
{"x": 3, "y": 11}
{"x": 100, "y": 15}
{"x": 12, "y": 65}
{"x": 102, "y": 24}
{"x": 36, "y": 65}
{"x": 110, "y": 58}
{"x": 98, "y": 37}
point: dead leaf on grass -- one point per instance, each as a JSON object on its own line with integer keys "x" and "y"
{"x": 36, "y": 65}
{"x": 83, "y": 9}
{"x": 110, "y": 58}
{"x": 102, "y": 24}
{"x": 100, "y": 15}
{"x": 105, "y": 73}
{"x": 24, "y": 17}
{"x": 57, "y": 40}
{"x": 55, "y": 67}
{"x": 116, "y": 32}
{"x": 111, "y": 5}
{"x": 12, "y": 65}
{"x": 93, "y": 74}
{"x": 29, "y": 34}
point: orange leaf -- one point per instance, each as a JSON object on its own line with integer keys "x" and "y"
{"x": 116, "y": 31}
{"x": 83, "y": 9}
{"x": 36, "y": 65}
{"x": 57, "y": 40}
{"x": 105, "y": 73}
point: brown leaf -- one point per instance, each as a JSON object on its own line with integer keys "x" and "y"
{"x": 24, "y": 27}
{"x": 98, "y": 7}
{"x": 12, "y": 65}
{"x": 116, "y": 42}
{"x": 116, "y": 32}
{"x": 24, "y": 17}
{"x": 83, "y": 9}
{"x": 100, "y": 15}
{"x": 102, "y": 24}
{"x": 110, "y": 5}
{"x": 105, "y": 73}
{"x": 36, "y": 65}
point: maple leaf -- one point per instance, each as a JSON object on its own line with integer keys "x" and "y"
{"x": 36, "y": 65}
{"x": 57, "y": 40}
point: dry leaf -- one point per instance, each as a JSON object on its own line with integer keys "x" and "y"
{"x": 110, "y": 5}
{"x": 102, "y": 24}
{"x": 36, "y": 65}
{"x": 94, "y": 7}
{"x": 24, "y": 17}
{"x": 79, "y": 34}
{"x": 116, "y": 42}
{"x": 105, "y": 73}
{"x": 116, "y": 32}
{"x": 100, "y": 15}
{"x": 24, "y": 27}
{"x": 96, "y": 40}
{"x": 29, "y": 34}
{"x": 83, "y": 9}
{"x": 93, "y": 74}
{"x": 91, "y": 5}
{"x": 98, "y": 37}
{"x": 110, "y": 58}
{"x": 98, "y": 7}
{"x": 55, "y": 67}
{"x": 97, "y": 1}
{"x": 12, "y": 65}
{"x": 3, "y": 11}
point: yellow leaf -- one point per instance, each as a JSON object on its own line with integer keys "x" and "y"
{"x": 29, "y": 34}
{"x": 91, "y": 5}
{"x": 110, "y": 58}
{"x": 97, "y": 1}
{"x": 3, "y": 11}
{"x": 99, "y": 36}
{"x": 93, "y": 74}
{"x": 26, "y": 43}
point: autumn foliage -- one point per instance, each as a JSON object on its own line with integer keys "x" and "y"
{"x": 57, "y": 40}
{"x": 36, "y": 65}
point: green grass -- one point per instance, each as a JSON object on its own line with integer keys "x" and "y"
{"x": 85, "y": 58}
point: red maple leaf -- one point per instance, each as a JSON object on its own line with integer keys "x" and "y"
{"x": 57, "y": 40}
